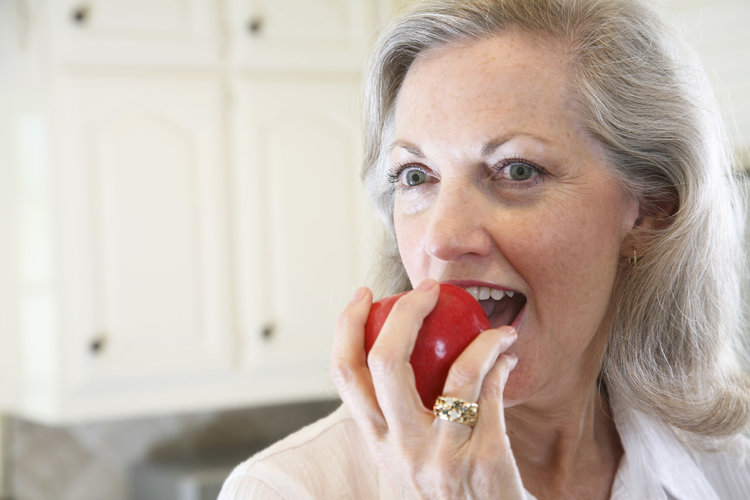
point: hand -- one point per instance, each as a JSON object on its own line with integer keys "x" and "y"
{"x": 426, "y": 457}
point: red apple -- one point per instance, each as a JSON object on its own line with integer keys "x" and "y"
{"x": 456, "y": 320}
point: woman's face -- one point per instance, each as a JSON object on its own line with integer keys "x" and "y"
{"x": 499, "y": 188}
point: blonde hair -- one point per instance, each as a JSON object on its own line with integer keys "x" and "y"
{"x": 675, "y": 345}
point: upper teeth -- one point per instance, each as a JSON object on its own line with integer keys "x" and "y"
{"x": 484, "y": 292}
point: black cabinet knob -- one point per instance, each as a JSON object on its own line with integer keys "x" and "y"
{"x": 80, "y": 14}
{"x": 97, "y": 344}
{"x": 267, "y": 331}
{"x": 255, "y": 25}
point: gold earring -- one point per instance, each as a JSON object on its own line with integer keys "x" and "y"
{"x": 633, "y": 261}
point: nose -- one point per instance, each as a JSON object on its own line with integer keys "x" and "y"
{"x": 457, "y": 225}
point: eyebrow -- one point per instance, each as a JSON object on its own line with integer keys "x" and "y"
{"x": 491, "y": 146}
{"x": 487, "y": 149}
{"x": 409, "y": 147}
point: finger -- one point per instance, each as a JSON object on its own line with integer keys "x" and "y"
{"x": 489, "y": 437}
{"x": 392, "y": 374}
{"x": 468, "y": 373}
{"x": 348, "y": 367}
{"x": 491, "y": 396}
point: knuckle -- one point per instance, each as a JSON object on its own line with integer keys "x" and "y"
{"x": 428, "y": 472}
{"x": 403, "y": 306}
{"x": 494, "y": 382}
{"x": 493, "y": 385}
{"x": 438, "y": 475}
{"x": 463, "y": 373}
{"x": 482, "y": 463}
{"x": 380, "y": 361}
{"x": 340, "y": 373}
{"x": 345, "y": 321}
{"x": 408, "y": 315}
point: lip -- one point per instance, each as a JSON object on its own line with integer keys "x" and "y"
{"x": 520, "y": 316}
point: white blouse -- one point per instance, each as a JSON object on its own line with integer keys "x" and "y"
{"x": 328, "y": 460}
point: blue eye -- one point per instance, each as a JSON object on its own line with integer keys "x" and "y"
{"x": 414, "y": 177}
{"x": 409, "y": 176}
{"x": 518, "y": 171}
{"x": 521, "y": 171}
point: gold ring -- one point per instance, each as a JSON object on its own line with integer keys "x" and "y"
{"x": 456, "y": 410}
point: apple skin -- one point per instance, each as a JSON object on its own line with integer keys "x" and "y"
{"x": 455, "y": 321}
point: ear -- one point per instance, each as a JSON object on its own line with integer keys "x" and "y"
{"x": 646, "y": 222}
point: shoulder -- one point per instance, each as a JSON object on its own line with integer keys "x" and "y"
{"x": 659, "y": 458}
{"x": 325, "y": 459}
{"x": 727, "y": 468}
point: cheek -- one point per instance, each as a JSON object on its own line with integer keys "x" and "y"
{"x": 414, "y": 201}
{"x": 570, "y": 263}
{"x": 578, "y": 235}
{"x": 570, "y": 266}
{"x": 409, "y": 241}
{"x": 565, "y": 246}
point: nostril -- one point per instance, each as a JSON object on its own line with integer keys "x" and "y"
{"x": 449, "y": 242}
{"x": 456, "y": 221}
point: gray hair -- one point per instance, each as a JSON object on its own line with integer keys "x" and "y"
{"x": 675, "y": 345}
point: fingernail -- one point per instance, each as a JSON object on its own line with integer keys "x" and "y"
{"x": 359, "y": 294}
{"x": 427, "y": 284}
{"x": 511, "y": 331}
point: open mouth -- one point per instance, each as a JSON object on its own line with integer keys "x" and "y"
{"x": 502, "y": 307}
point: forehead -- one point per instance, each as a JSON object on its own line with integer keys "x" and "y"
{"x": 512, "y": 80}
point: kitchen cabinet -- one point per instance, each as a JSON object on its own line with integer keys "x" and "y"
{"x": 300, "y": 34}
{"x": 298, "y": 161}
{"x": 184, "y": 208}
{"x": 130, "y": 32}
{"x": 143, "y": 229}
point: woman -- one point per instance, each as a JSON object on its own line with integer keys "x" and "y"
{"x": 565, "y": 151}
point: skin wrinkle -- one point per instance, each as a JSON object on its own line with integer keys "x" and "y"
{"x": 626, "y": 103}
{"x": 558, "y": 241}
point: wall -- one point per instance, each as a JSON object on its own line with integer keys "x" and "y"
{"x": 717, "y": 29}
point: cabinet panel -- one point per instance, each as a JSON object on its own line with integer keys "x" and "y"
{"x": 178, "y": 246}
{"x": 144, "y": 232}
{"x": 136, "y": 31}
{"x": 300, "y": 34}
{"x": 139, "y": 163}
{"x": 298, "y": 153}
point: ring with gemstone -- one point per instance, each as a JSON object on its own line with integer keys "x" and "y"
{"x": 456, "y": 410}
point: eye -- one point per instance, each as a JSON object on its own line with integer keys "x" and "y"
{"x": 520, "y": 171}
{"x": 409, "y": 176}
{"x": 414, "y": 177}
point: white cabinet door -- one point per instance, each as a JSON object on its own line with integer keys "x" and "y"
{"x": 178, "y": 247}
{"x": 146, "y": 303}
{"x": 301, "y": 235}
{"x": 168, "y": 32}
{"x": 300, "y": 34}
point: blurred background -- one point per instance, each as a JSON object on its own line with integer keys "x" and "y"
{"x": 181, "y": 221}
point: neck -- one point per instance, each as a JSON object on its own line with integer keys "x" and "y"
{"x": 570, "y": 450}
